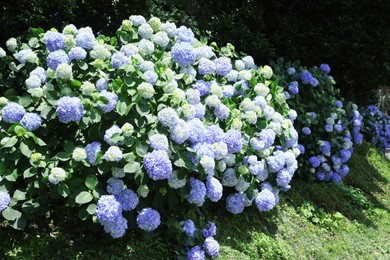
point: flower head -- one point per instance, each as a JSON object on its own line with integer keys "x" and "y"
{"x": 148, "y": 219}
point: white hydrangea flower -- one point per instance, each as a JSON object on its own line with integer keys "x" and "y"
{"x": 100, "y": 51}
{"x": 146, "y": 90}
{"x": 11, "y": 44}
{"x": 261, "y": 89}
{"x": 57, "y": 175}
{"x": 87, "y": 88}
{"x": 266, "y": 71}
{"x": 2, "y": 53}
{"x": 127, "y": 129}
{"x": 146, "y": 47}
{"x": 64, "y": 72}
{"x": 79, "y": 154}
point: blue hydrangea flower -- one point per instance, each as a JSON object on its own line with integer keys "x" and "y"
{"x": 345, "y": 155}
{"x": 31, "y": 121}
{"x": 188, "y": 227}
{"x": 228, "y": 91}
{"x": 145, "y": 31}
{"x": 114, "y": 186}
{"x": 116, "y": 228}
{"x": 328, "y": 128}
{"x": 283, "y": 178}
{"x": 150, "y": 76}
{"x": 185, "y": 34}
{"x": 183, "y": 53}
{"x": 265, "y": 200}
{"x": 195, "y": 254}
{"x": 110, "y": 132}
{"x": 325, "y": 67}
{"x": 214, "y": 189}
{"x": 222, "y": 112}
{"x": 148, "y": 219}
{"x": 56, "y": 58}
{"x": 197, "y": 130}
{"x": 77, "y": 53}
{"x": 85, "y": 38}
{"x": 197, "y": 193}
{"x": 137, "y": 20}
{"x": 335, "y": 178}
{"x": 291, "y": 71}
{"x": 168, "y": 117}
{"x": 159, "y": 142}
{"x": 235, "y": 203}
{"x": 314, "y": 161}
{"x": 112, "y": 100}
{"x": 101, "y": 84}
{"x": 69, "y": 109}
{"x": 108, "y": 208}
{"x": 214, "y": 134}
{"x": 325, "y": 148}
{"x": 223, "y": 66}
{"x": 268, "y": 137}
{"x": 211, "y": 246}
{"x": 203, "y": 87}
{"x": 233, "y": 139}
{"x": 343, "y": 171}
{"x": 40, "y": 72}
{"x": 4, "y": 200}
{"x": 118, "y": 59}
{"x": 258, "y": 170}
{"x": 276, "y": 161}
{"x": 54, "y": 41}
{"x": 92, "y": 150}
{"x": 210, "y": 231}
{"x": 339, "y": 103}
{"x": 306, "y": 130}
{"x": 128, "y": 199}
{"x": 206, "y": 67}
{"x": 13, "y": 113}
{"x": 293, "y": 88}
{"x": 157, "y": 165}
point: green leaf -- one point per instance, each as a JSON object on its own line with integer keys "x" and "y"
{"x": 63, "y": 189}
{"x": 132, "y": 167}
{"x": 30, "y": 206}
{"x": 12, "y": 176}
{"x": 83, "y": 65}
{"x": 83, "y": 213}
{"x": 11, "y": 142}
{"x": 91, "y": 209}
{"x": 84, "y": 197}
{"x": 141, "y": 149}
{"x": 33, "y": 42}
{"x": 25, "y": 150}
{"x": 91, "y": 181}
{"x": 25, "y": 101}
{"x": 19, "y": 130}
{"x": 19, "y": 195}
{"x": 63, "y": 156}
{"x": 180, "y": 163}
{"x": 29, "y": 172}
{"x": 129, "y": 81}
{"x": 11, "y": 214}
{"x": 142, "y": 109}
{"x": 76, "y": 83}
{"x": 95, "y": 115}
{"x": 102, "y": 101}
{"x": 20, "y": 223}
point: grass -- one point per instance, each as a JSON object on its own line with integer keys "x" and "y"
{"x": 312, "y": 221}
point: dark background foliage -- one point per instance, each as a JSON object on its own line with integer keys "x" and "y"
{"x": 352, "y": 36}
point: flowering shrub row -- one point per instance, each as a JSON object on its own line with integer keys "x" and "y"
{"x": 327, "y": 127}
{"x": 128, "y": 127}
{"x": 376, "y": 128}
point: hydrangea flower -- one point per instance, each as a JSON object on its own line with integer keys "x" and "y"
{"x": 325, "y": 68}
{"x": 168, "y": 117}
{"x": 148, "y": 219}
{"x": 54, "y": 41}
{"x": 306, "y": 130}
{"x": 85, "y": 38}
{"x": 150, "y": 76}
{"x": 118, "y": 59}
{"x": 92, "y": 151}
{"x": 276, "y": 161}
{"x": 79, "y": 154}
{"x": 57, "y": 175}
{"x": 265, "y": 200}
{"x": 188, "y": 227}
{"x": 112, "y": 100}
{"x": 174, "y": 182}
{"x": 4, "y": 200}
{"x": 69, "y": 109}
{"x": 183, "y": 53}
{"x": 157, "y": 165}
{"x": 114, "y": 186}
{"x": 206, "y": 67}
{"x": 116, "y": 228}
{"x": 214, "y": 189}
{"x": 108, "y": 209}
{"x": 113, "y": 154}
{"x": 291, "y": 71}
{"x": 161, "y": 39}
{"x": 210, "y": 231}
{"x": 180, "y": 132}
{"x": 40, "y": 73}
{"x": 145, "y": 31}
{"x": 197, "y": 193}
{"x": 314, "y": 161}
{"x": 293, "y": 88}
{"x": 56, "y": 58}
{"x": 13, "y": 113}
{"x": 159, "y": 142}
{"x": 211, "y": 246}
{"x": 223, "y": 66}
{"x": 185, "y": 34}
{"x": 77, "y": 53}
{"x": 110, "y": 132}
{"x": 64, "y": 72}
{"x": 26, "y": 56}
{"x": 137, "y": 20}
{"x": 235, "y": 203}
{"x": 33, "y": 82}
{"x": 233, "y": 140}
{"x": 195, "y": 254}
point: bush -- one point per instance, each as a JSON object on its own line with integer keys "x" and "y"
{"x": 327, "y": 127}
{"x": 376, "y": 127}
{"x": 140, "y": 129}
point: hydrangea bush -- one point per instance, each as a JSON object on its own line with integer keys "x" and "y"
{"x": 376, "y": 127}
{"x": 134, "y": 128}
{"x": 328, "y": 127}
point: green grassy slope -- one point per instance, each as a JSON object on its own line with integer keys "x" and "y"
{"x": 312, "y": 221}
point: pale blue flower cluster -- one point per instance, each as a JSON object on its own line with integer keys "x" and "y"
{"x": 4, "y": 200}
{"x": 54, "y": 41}
{"x": 31, "y": 121}
{"x": 69, "y": 109}
{"x": 148, "y": 219}
{"x": 13, "y": 113}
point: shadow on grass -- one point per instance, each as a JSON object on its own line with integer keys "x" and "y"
{"x": 353, "y": 198}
